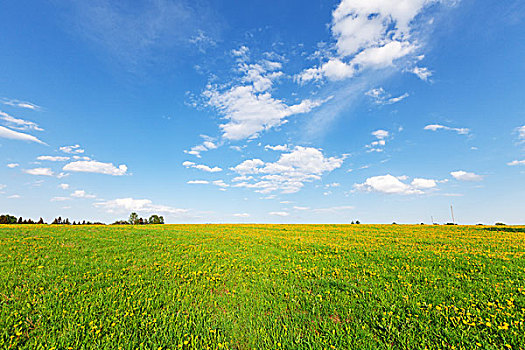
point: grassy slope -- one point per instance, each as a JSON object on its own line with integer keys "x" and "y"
{"x": 261, "y": 286}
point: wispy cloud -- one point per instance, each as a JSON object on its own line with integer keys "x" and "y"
{"x": 15, "y": 135}
{"x": 381, "y": 97}
{"x": 436, "y": 127}
{"x": 139, "y": 32}
{"x": 17, "y": 123}
{"x": 20, "y": 104}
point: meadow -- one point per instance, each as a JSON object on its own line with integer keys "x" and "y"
{"x": 262, "y": 287}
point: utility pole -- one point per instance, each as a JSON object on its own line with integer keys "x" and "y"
{"x": 452, "y": 212}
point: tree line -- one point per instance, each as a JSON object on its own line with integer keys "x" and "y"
{"x": 134, "y": 219}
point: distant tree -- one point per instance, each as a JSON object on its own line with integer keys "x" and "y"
{"x": 20, "y": 220}
{"x": 7, "y": 219}
{"x": 352, "y": 223}
{"x": 141, "y": 221}
{"x": 357, "y": 222}
{"x": 41, "y": 221}
{"x": 133, "y": 218}
{"x": 155, "y": 219}
{"x": 499, "y": 224}
{"x": 66, "y": 222}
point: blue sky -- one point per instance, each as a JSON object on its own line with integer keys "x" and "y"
{"x": 257, "y": 111}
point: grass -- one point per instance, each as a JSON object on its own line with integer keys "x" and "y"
{"x": 261, "y": 286}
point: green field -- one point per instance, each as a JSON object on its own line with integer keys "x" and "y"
{"x": 262, "y": 286}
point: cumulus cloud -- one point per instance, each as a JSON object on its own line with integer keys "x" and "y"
{"x": 289, "y": 173}
{"x": 146, "y": 206}
{"x": 369, "y": 35}
{"x": 15, "y": 135}
{"x": 381, "y": 97}
{"x": 280, "y": 148}
{"x": 242, "y": 215}
{"x": 92, "y": 166}
{"x": 247, "y": 104}
{"x": 436, "y": 127}
{"x": 207, "y": 145}
{"x": 39, "y": 172}
{"x": 64, "y": 186}
{"x": 74, "y": 149}
{"x": 249, "y": 111}
{"x": 202, "y": 167}
{"x": 17, "y": 123}
{"x": 390, "y": 184}
{"x": 466, "y": 176}
{"x": 53, "y": 158}
{"x": 380, "y": 142}
{"x": 12, "y": 165}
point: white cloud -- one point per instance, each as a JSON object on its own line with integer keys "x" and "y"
{"x": 289, "y": 173}
{"x": 394, "y": 185}
{"x": 39, "y": 172}
{"x": 12, "y": 165}
{"x": 60, "y": 199}
{"x": 207, "y": 145}
{"x": 335, "y": 209}
{"x": 53, "y": 158}
{"x": 14, "y": 196}
{"x": 521, "y": 132}
{"x": 242, "y": 215}
{"x": 74, "y": 149}
{"x": 17, "y": 123}
{"x": 422, "y": 73}
{"x": 92, "y": 166}
{"x": 127, "y": 205}
{"x": 423, "y": 183}
{"x": 247, "y": 103}
{"x": 380, "y": 142}
{"x": 301, "y": 208}
{"x": 369, "y": 35}
{"x": 466, "y": 176}
{"x": 280, "y": 148}
{"x": 381, "y": 97}
{"x": 436, "y": 127}
{"x": 220, "y": 183}
{"x": 202, "y": 167}
{"x": 517, "y": 162}
{"x": 64, "y": 186}
{"x": 82, "y": 194}
{"x": 198, "y": 182}
{"x": 249, "y": 111}
{"x": 15, "y": 135}
{"x": 279, "y": 213}
{"x": 18, "y": 103}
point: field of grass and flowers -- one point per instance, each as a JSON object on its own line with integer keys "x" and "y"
{"x": 262, "y": 286}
